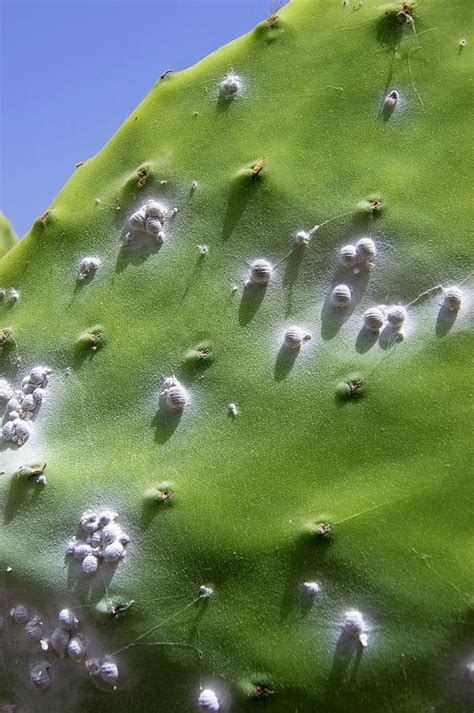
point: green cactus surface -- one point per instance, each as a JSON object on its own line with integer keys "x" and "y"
{"x": 257, "y": 467}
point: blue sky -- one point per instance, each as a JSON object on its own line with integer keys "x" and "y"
{"x": 72, "y": 71}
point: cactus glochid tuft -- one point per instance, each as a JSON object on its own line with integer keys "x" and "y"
{"x": 262, "y": 423}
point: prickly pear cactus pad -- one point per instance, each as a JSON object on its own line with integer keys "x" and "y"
{"x": 236, "y": 387}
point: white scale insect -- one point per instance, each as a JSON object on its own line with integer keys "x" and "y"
{"x": 67, "y": 620}
{"x": 391, "y": 101}
{"x": 452, "y": 299}
{"x": 353, "y": 625}
{"x": 174, "y": 394}
{"x": 303, "y": 238}
{"x": 341, "y": 296}
{"x": 396, "y": 315}
{"x": 113, "y": 552}
{"x": 89, "y": 521}
{"x": 313, "y": 589}
{"x": 34, "y": 628}
{"x": 88, "y": 268}
{"x": 208, "y": 701}
{"x": 90, "y": 564}
{"x": 20, "y": 614}
{"x": 40, "y": 675}
{"x": 60, "y": 640}
{"x": 366, "y": 250}
{"x": 76, "y": 648}
{"x": 295, "y": 337}
{"x": 348, "y": 256}
{"x": 109, "y": 673}
{"x": 111, "y": 532}
{"x": 206, "y": 592}
{"x": 230, "y": 86}
{"x": 260, "y": 272}
{"x": 374, "y": 319}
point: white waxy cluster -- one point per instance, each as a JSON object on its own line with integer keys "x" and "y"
{"x": 376, "y": 317}
{"x": 208, "y": 700}
{"x": 65, "y": 639}
{"x": 103, "y": 541}
{"x": 88, "y": 268}
{"x": 295, "y": 337}
{"x": 174, "y": 394}
{"x": 341, "y": 296}
{"x": 23, "y": 405}
{"x": 230, "y": 86}
{"x": 355, "y": 257}
{"x": 106, "y": 670}
{"x": 260, "y": 272}
{"x": 33, "y": 625}
{"x": 353, "y": 625}
{"x": 150, "y": 219}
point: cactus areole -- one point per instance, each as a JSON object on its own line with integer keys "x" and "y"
{"x": 174, "y": 473}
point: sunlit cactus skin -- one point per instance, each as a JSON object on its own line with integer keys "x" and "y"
{"x": 7, "y": 235}
{"x": 342, "y": 464}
